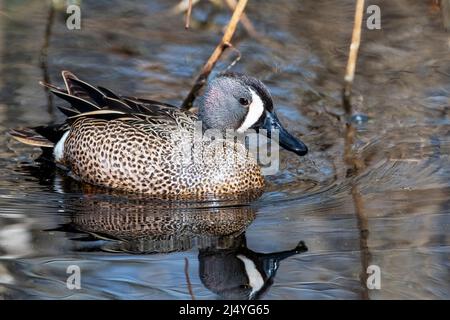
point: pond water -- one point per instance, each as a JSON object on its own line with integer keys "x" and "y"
{"x": 394, "y": 212}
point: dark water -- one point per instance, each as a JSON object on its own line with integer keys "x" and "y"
{"x": 393, "y": 213}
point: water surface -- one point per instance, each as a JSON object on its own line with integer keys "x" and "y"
{"x": 393, "y": 213}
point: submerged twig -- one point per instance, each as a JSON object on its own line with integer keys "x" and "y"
{"x": 188, "y": 280}
{"x": 188, "y": 15}
{"x": 217, "y": 53}
{"x": 363, "y": 227}
{"x": 353, "y": 55}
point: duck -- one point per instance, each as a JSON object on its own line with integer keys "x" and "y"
{"x": 137, "y": 145}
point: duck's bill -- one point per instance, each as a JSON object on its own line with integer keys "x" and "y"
{"x": 285, "y": 139}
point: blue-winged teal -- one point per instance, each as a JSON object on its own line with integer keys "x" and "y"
{"x": 134, "y": 145}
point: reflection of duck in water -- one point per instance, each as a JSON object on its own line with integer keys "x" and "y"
{"x": 240, "y": 273}
{"x": 143, "y": 226}
{"x": 226, "y": 266}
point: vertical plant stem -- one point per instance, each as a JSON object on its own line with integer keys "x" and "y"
{"x": 246, "y": 23}
{"x": 217, "y": 53}
{"x": 354, "y": 164}
{"x": 44, "y": 55}
{"x": 188, "y": 15}
{"x": 353, "y": 56}
{"x": 445, "y": 9}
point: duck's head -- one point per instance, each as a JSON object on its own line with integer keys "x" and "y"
{"x": 238, "y": 102}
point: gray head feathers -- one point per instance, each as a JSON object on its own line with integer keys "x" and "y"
{"x": 233, "y": 100}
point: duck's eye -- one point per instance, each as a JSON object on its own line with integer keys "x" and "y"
{"x": 243, "y": 101}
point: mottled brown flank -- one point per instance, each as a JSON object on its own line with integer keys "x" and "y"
{"x": 132, "y": 157}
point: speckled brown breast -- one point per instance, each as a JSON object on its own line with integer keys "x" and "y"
{"x": 121, "y": 155}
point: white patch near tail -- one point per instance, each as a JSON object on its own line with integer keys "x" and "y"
{"x": 254, "y": 276}
{"x": 255, "y": 110}
{"x": 58, "y": 150}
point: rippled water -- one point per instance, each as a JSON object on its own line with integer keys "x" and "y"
{"x": 393, "y": 212}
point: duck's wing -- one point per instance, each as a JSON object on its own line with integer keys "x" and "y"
{"x": 87, "y": 100}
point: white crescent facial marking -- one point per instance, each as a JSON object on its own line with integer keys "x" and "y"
{"x": 58, "y": 150}
{"x": 255, "y": 110}
{"x": 254, "y": 276}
